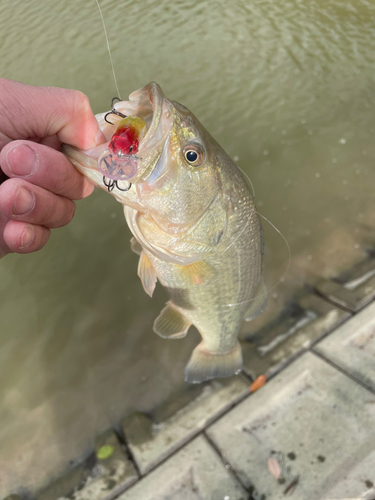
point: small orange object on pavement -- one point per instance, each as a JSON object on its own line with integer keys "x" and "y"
{"x": 258, "y": 383}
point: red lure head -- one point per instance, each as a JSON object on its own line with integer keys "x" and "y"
{"x": 125, "y": 141}
{"x": 119, "y": 161}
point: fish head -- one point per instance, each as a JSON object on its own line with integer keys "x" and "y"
{"x": 157, "y": 158}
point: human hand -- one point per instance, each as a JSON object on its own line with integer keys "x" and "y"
{"x": 42, "y": 184}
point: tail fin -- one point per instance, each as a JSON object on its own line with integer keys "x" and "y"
{"x": 204, "y": 365}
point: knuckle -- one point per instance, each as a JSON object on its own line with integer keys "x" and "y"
{"x": 74, "y": 104}
{"x": 52, "y": 211}
{"x": 82, "y": 105}
{"x": 78, "y": 102}
{"x": 67, "y": 176}
{"x": 82, "y": 99}
{"x": 61, "y": 212}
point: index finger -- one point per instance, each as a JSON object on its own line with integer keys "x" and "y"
{"x": 27, "y": 111}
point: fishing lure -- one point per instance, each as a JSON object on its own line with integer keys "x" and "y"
{"x": 119, "y": 161}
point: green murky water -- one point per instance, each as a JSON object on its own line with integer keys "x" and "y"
{"x": 287, "y": 88}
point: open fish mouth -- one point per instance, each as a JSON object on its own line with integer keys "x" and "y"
{"x": 121, "y": 170}
{"x": 145, "y": 106}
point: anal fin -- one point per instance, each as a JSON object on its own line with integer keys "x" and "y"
{"x": 171, "y": 324}
{"x": 258, "y": 302}
{"x": 147, "y": 274}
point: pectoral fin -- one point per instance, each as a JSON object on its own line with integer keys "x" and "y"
{"x": 135, "y": 246}
{"x": 258, "y": 302}
{"x": 197, "y": 273}
{"x": 147, "y": 274}
{"x": 171, "y": 324}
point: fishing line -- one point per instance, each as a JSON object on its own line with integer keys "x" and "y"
{"x": 282, "y": 277}
{"x": 248, "y": 178}
{"x": 288, "y": 247}
{"x": 253, "y": 190}
{"x": 109, "y": 49}
{"x": 236, "y": 238}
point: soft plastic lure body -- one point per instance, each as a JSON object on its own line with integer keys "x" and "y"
{"x": 119, "y": 160}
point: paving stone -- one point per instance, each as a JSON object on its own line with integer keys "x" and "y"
{"x": 304, "y": 323}
{"x": 352, "y": 290}
{"x": 362, "y": 472}
{"x": 73, "y": 480}
{"x": 352, "y": 346}
{"x": 194, "y": 473}
{"x": 108, "y": 474}
{"x": 151, "y": 442}
{"x": 178, "y": 400}
{"x": 314, "y": 420}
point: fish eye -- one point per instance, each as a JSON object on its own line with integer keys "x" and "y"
{"x": 191, "y": 156}
{"x": 194, "y": 155}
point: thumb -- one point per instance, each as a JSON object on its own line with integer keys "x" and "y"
{"x": 36, "y": 112}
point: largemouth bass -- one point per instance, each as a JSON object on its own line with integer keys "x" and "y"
{"x": 194, "y": 223}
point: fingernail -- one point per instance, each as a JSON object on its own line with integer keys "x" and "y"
{"x": 100, "y": 138}
{"x": 22, "y": 160}
{"x": 27, "y": 236}
{"x": 24, "y": 202}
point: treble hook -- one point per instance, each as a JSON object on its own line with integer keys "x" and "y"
{"x": 127, "y": 189}
{"x": 114, "y": 111}
{"x": 112, "y": 184}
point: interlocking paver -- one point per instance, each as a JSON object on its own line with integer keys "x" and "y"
{"x": 110, "y": 473}
{"x": 151, "y": 442}
{"x": 352, "y": 346}
{"x": 269, "y": 350}
{"x": 194, "y": 473}
{"x": 314, "y": 420}
{"x": 354, "y": 289}
{"x": 362, "y": 472}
